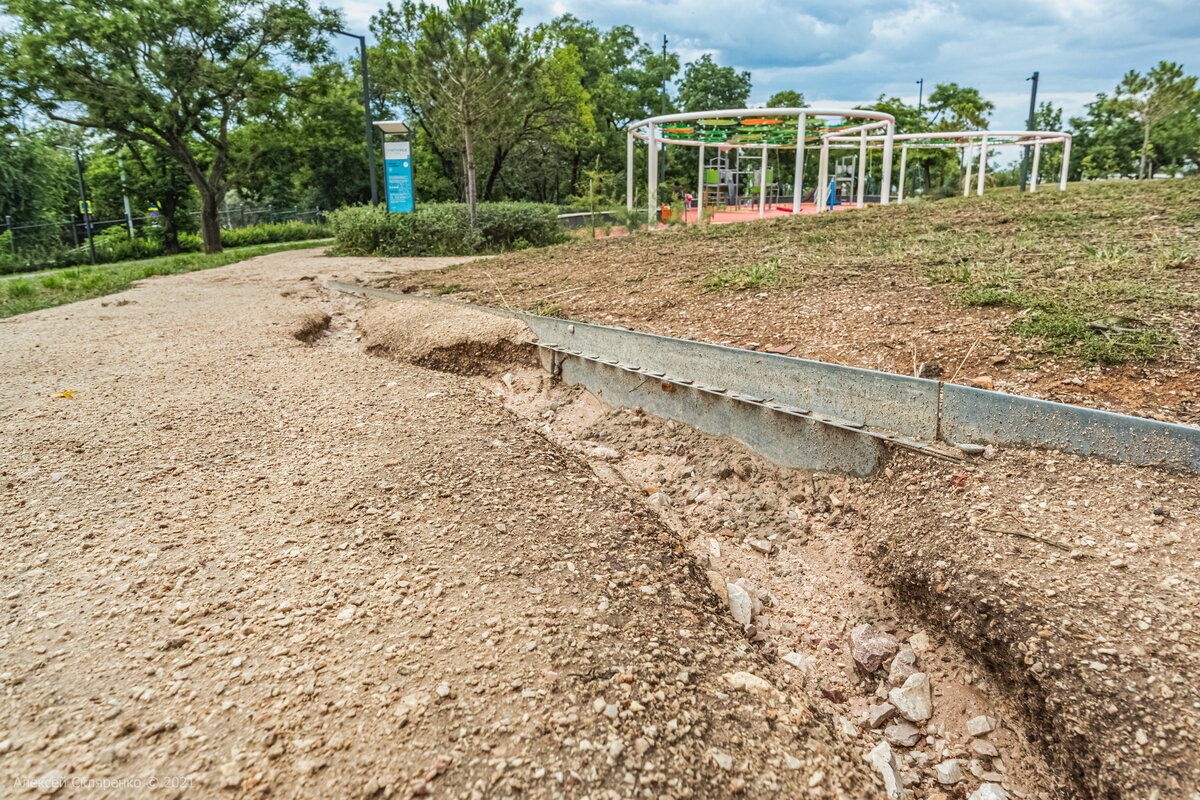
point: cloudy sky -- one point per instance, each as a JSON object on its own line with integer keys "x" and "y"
{"x": 849, "y": 51}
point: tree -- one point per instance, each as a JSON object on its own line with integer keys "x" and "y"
{"x": 1105, "y": 141}
{"x": 457, "y": 69}
{"x": 36, "y": 185}
{"x": 308, "y": 150}
{"x": 1152, "y": 98}
{"x": 707, "y": 86}
{"x": 149, "y": 176}
{"x": 176, "y": 76}
{"x": 788, "y": 98}
{"x": 955, "y": 107}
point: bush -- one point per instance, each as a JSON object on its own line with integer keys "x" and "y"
{"x": 272, "y": 232}
{"x": 443, "y": 229}
{"x": 114, "y": 244}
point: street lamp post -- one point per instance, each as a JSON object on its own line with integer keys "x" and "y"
{"x": 367, "y": 129}
{"x": 1029, "y": 126}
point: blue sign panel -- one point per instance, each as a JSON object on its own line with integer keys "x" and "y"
{"x": 397, "y": 169}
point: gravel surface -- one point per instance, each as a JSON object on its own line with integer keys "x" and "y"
{"x": 246, "y": 558}
{"x": 1045, "y": 604}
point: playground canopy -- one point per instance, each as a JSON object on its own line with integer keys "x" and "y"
{"x": 801, "y": 129}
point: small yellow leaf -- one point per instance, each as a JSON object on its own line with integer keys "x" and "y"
{"x": 67, "y": 393}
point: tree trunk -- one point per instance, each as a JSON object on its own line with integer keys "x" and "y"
{"x": 469, "y": 157}
{"x": 497, "y": 164}
{"x": 210, "y": 222}
{"x": 1145, "y": 150}
{"x": 170, "y": 227}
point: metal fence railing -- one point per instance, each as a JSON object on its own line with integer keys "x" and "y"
{"x": 29, "y": 246}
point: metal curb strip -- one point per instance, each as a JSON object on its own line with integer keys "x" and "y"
{"x": 753, "y": 390}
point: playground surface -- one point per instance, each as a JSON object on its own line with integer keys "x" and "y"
{"x": 1091, "y": 296}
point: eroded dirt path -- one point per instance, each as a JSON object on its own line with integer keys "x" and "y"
{"x": 240, "y": 564}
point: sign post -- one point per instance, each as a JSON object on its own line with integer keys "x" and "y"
{"x": 398, "y": 172}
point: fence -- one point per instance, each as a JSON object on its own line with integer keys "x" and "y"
{"x": 24, "y": 248}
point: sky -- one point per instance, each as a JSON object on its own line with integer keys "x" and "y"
{"x": 846, "y": 52}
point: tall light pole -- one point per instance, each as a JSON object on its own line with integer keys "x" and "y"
{"x": 1029, "y": 126}
{"x": 367, "y": 127}
{"x": 84, "y": 205}
{"x": 920, "y": 95}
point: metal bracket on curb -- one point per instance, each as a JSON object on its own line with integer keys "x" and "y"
{"x": 812, "y": 414}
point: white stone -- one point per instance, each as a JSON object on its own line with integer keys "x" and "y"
{"x": 740, "y": 604}
{"x": 902, "y": 734}
{"x": 949, "y": 772}
{"x": 884, "y": 760}
{"x": 747, "y": 682}
{"x": 724, "y": 760}
{"x": 989, "y": 791}
{"x": 981, "y": 725}
{"x": 659, "y": 500}
{"x": 919, "y": 642}
{"x": 799, "y": 661}
{"x": 914, "y": 700}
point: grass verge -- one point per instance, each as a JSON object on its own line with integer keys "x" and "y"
{"x": 22, "y": 295}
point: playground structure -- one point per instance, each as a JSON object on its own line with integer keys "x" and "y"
{"x": 750, "y": 135}
{"x": 974, "y": 144}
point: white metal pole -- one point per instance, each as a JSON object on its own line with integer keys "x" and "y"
{"x": 762, "y": 185}
{"x": 982, "y": 165}
{"x": 1037, "y": 158}
{"x": 903, "y": 169}
{"x": 700, "y": 195}
{"x": 862, "y": 169}
{"x": 885, "y": 183}
{"x": 798, "y": 189}
{"x": 967, "y": 178}
{"x": 1062, "y": 181}
{"x": 822, "y": 190}
{"x": 652, "y": 179}
{"x": 629, "y": 171}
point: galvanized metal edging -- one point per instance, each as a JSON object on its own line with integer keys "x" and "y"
{"x": 916, "y": 413}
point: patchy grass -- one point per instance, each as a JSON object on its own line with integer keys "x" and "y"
{"x": 21, "y": 295}
{"x": 1056, "y": 260}
{"x": 755, "y": 276}
{"x": 453, "y": 288}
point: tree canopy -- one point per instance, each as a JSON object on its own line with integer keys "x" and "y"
{"x": 177, "y": 76}
{"x": 707, "y": 85}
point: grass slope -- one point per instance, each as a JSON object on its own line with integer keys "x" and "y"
{"x": 1105, "y": 272}
{"x": 20, "y": 295}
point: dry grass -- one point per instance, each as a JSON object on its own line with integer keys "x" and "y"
{"x": 1060, "y": 260}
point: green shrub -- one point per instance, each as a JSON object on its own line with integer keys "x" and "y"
{"x": 443, "y": 229}
{"x": 271, "y": 232}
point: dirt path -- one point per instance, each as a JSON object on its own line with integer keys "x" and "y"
{"x": 238, "y": 564}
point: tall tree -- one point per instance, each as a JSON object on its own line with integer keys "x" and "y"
{"x": 456, "y": 68}
{"x": 955, "y": 107}
{"x": 177, "y": 76}
{"x": 708, "y": 86}
{"x": 308, "y": 150}
{"x": 1152, "y": 98}
{"x": 788, "y": 98}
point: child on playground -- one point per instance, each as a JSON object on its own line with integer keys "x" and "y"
{"x": 687, "y": 203}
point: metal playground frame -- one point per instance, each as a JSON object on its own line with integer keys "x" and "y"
{"x": 767, "y": 129}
